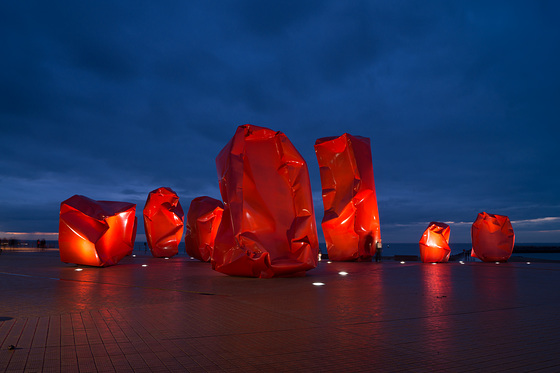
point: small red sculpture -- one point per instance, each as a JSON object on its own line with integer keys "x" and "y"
{"x": 351, "y": 220}
{"x": 268, "y": 225}
{"x": 492, "y": 238}
{"x": 95, "y": 233}
{"x": 163, "y": 222}
{"x": 203, "y": 219}
{"x": 434, "y": 244}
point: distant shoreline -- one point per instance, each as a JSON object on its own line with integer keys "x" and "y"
{"x": 517, "y": 249}
{"x": 393, "y": 248}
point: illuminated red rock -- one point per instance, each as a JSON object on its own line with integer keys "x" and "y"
{"x": 268, "y": 225}
{"x": 434, "y": 244}
{"x": 492, "y": 238}
{"x": 163, "y": 222}
{"x": 351, "y": 220}
{"x": 95, "y": 233}
{"x": 203, "y": 219}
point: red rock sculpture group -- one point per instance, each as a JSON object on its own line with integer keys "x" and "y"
{"x": 434, "y": 244}
{"x": 163, "y": 222}
{"x": 203, "y": 219}
{"x": 351, "y": 220}
{"x": 95, "y": 233}
{"x": 268, "y": 225}
{"x": 492, "y": 238}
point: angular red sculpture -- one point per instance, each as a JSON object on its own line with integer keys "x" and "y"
{"x": 434, "y": 244}
{"x": 492, "y": 238}
{"x": 95, "y": 233}
{"x": 351, "y": 220}
{"x": 163, "y": 222}
{"x": 203, "y": 220}
{"x": 268, "y": 225}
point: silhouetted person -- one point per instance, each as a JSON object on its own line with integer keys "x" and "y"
{"x": 378, "y": 250}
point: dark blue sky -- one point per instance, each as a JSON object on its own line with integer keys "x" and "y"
{"x": 112, "y": 99}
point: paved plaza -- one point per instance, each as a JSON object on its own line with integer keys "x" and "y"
{"x": 157, "y": 315}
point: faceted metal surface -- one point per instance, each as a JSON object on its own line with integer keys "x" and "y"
{"x": 203, "y": 219}
{"x": 268, "y": 226}
{"x": 351, "y": 220}
{"x": 163, "y": 222}
{"x": 434, "y": 244}
{"x": 492, "y": 237}
{"x": 95, "y": 233}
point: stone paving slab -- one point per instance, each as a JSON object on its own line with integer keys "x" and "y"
{"x": 178, "y": 315}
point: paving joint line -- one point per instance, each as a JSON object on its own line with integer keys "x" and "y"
{"x": 113, "y": 284}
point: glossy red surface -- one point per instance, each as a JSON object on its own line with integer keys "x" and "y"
{"x": 351, "y": 220}
{"x": 163, "y": 222}
{"x": 95, "y": 233}
{"x": 268, "y": 226}
{"x": 203, "y": 219}
{"x": 434, "y": 244}
{"x": 492, "y": 238}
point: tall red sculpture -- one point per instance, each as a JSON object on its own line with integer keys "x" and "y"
{"x": 203, "y": 219}
{"x": 95, "y": 233}
{"x": 268, "y": 225}
{"x": 351, "y": 220}
{"x": 434, "y": 244}
{"x": 492, "y": 238}
{"x": 163, "y": 222}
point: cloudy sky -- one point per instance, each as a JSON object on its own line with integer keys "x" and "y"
{"x": 112, "y": 99}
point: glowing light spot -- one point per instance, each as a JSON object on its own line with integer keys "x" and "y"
{"x": 144, "y": 265}
{"x": 528, "y": 262}
{"x": 342, "y": 273}
{"x": 434, "y": 263}
{"x": 497, "y": 262}
{"x": 329, "y": 262}
{"x": 460, "y": 261}
{"x": 166, "y": 258}
{"x": 134, "y": 256}
{"x": 318, "y": 283}
{"x": 402, "y": 262}
{"x": 79, "y": 269}
{"x": 192, "y": 257}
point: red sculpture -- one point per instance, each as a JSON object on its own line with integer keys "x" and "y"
{"x": 203, "y": 219}
{"x": 95, "y": 233}
{"x": 434, "y": 244}
{"x": 351, "y": 220}
{"x": 492, "y": 238}
{"x": 163, "y": 222}
{"x": 268, "y": 225}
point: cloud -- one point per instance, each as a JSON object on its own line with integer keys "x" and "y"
{"x": 269, "y": 19}
{"x": 550, "y": 219}
{"x": 113, "y": 100}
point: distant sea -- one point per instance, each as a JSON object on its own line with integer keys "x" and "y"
{"x": 389, "y": 249}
